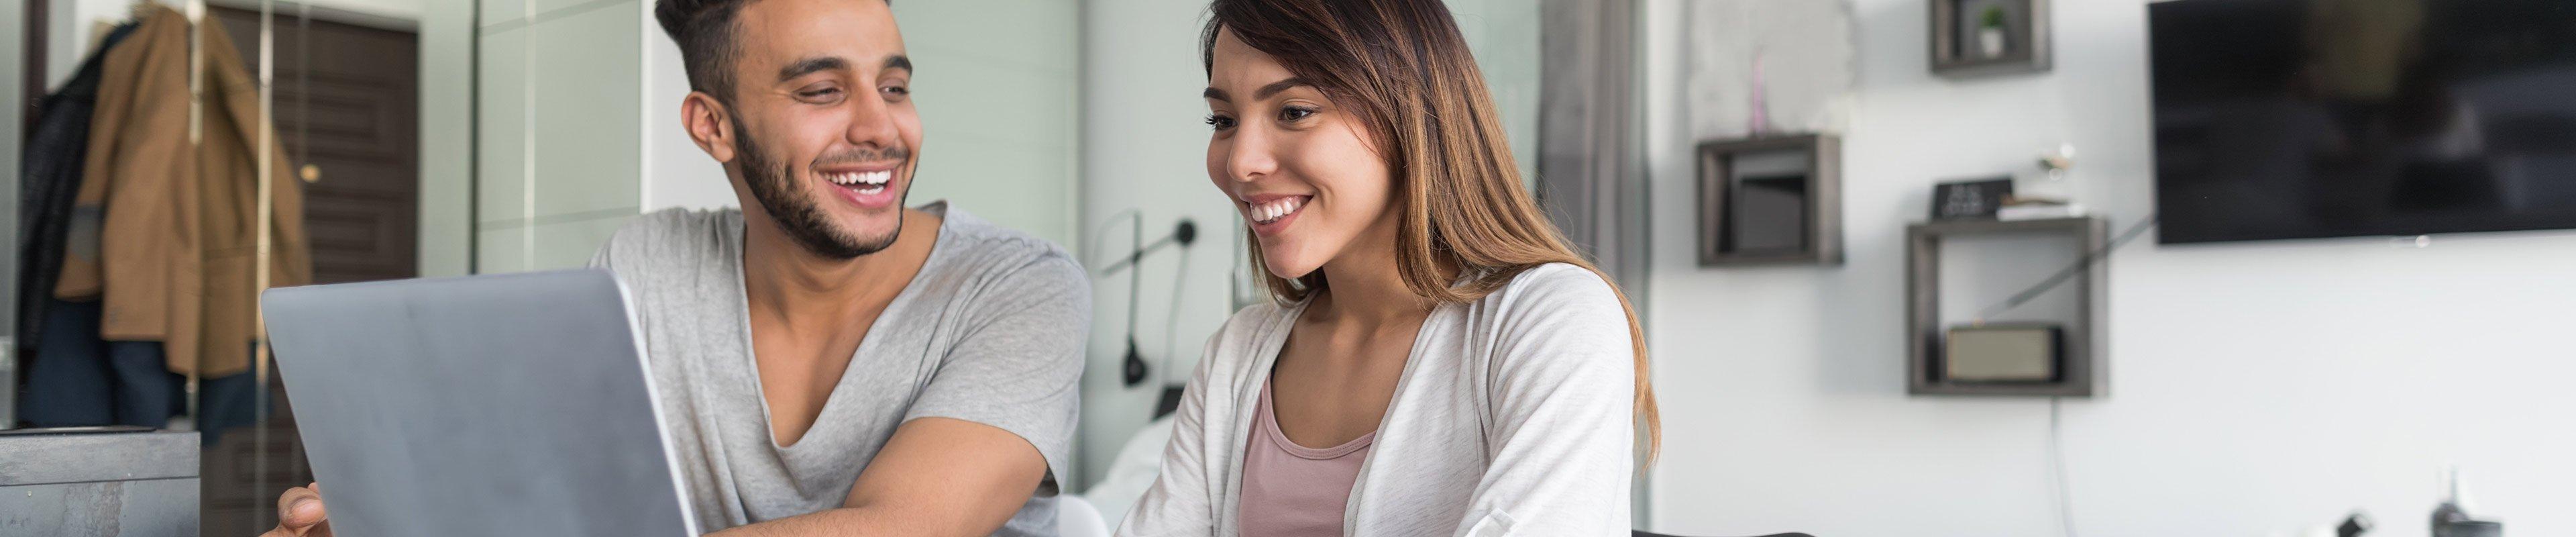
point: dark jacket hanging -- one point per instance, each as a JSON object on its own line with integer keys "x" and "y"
{"x": 71, "y": 377}
{"x": 55, "y": 151}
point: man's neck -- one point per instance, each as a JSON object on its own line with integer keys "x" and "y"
{"x": 813, "y": 294}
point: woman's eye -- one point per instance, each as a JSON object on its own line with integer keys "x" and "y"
{"x": 1294, "y": 113}
{"x": 1220, "y": 122}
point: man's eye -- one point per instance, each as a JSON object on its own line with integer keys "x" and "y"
{"x": 897, "y": 90}
{"x": 1220, "y": 122}
{"x": 823, "y": 93}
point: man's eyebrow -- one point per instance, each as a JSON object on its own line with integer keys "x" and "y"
{"x": 898, "y": 61}
{"x": 1264, "y": 93}
{"x": 810, "y": 66}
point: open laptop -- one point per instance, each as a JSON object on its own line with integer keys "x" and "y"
{"x": 512, "y": 404}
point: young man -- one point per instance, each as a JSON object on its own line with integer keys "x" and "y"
{"x": 829, "y": 361}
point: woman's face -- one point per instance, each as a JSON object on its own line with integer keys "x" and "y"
{"x": 1303, "y": 172}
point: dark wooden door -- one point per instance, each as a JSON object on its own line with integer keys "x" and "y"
{"x": 347, "y": 112}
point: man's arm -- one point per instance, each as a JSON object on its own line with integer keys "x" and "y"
{"x": 984, "y": 433}
{"x": 936, "y": 476}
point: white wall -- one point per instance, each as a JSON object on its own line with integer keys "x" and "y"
{"x": 1144, "y": 148}
{"x": 999, "y": 94}
{"x": 2255, "y": 388}
{"x": 556, "y": 178}
{"x": 70, "y": 31}
{"x": 446, "y": 138}
{"x": 676, "y": 173}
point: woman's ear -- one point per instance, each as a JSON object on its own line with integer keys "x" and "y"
{"x": 708, "y": 123}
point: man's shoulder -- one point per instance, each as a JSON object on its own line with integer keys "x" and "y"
{"x": 679, "y": 224}
{"x": 669, "y": 235}
{"x": 1020, "y": 259}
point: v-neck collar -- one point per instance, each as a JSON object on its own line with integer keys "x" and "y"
{"x": 1274, "y": 340}
{"x": 750, "y": 361}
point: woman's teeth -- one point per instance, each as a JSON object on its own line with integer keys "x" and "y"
{"x": 1271, "y": 212}
{"x": 864, "y": 182}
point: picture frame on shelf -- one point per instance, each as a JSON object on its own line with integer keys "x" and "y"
{"x": 1972, "y": 199}
{"x": 1770, "y": 200}
{"x": 1972, "y": 38}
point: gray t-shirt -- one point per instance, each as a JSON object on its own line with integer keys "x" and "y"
{"x": 991, "y": 331}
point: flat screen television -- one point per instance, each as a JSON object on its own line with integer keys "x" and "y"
{"x": 2283, "y": 119}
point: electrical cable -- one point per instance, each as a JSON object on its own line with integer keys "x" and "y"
{"x": 1132, "y": 367}
{"x": 1172, "y": 317}
{"x": 2068, "y": 274}
{"x": 2057, "y": 474}
{"x": 2061, "y": 491}
{"x": 1096, "y": 232}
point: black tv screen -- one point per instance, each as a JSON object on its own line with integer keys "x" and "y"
{"x": 2280, "y": 119}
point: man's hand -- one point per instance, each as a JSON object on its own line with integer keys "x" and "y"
{"x": 300, "y": 514}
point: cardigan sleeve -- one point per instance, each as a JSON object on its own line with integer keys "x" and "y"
{"x": 1561, "y": 430}
{"x": 1180, "y": 503}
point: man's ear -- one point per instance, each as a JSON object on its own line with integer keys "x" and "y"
{"x": 708, "y": 123}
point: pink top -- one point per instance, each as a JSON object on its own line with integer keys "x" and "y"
{"x": 1291, "y": 490}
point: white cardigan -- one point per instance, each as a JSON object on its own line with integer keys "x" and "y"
{"x": 1513, "y": 417}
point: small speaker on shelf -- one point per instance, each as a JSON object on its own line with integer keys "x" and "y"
{"x": 2003, "y": 352}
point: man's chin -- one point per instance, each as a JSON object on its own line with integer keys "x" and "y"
{"x": 871, "y": 230}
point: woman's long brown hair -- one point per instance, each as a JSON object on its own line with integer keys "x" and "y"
{"x": 1406, "y": 69}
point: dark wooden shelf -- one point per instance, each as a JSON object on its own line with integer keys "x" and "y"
{"x": 2083, "y": 371}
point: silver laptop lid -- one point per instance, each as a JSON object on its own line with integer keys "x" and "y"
{"x": 511, "y": 404}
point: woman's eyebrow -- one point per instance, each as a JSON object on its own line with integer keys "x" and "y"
{"x": 1264, "y": 93}
{"x": 1275, "y": 87}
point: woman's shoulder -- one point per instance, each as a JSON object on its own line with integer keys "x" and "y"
{"x": 1555, "y": 285}
{"x": 1551, "y": 308}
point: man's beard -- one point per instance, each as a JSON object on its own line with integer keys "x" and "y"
{"x": 775, "y": 187}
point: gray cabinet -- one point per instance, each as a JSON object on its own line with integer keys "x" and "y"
{"x": 98, "y": 484}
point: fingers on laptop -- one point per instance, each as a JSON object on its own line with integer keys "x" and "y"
{"x": 300, "y": 513}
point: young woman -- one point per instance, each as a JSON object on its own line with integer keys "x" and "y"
{"x": 1437, "y": 362}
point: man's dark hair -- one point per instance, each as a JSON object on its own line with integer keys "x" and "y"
{"x": 705, "y": 31}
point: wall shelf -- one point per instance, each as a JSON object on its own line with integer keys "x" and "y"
{"x": 1959, "y": 38}
{"x": 2081, "y": 370}
{"x": 1771, "y": 200}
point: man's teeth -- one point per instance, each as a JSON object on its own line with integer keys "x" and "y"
{"x": 1270, "y": 212}
{"x": 875, "y": 178}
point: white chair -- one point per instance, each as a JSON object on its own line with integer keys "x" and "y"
{"x": 1076, "y": 517}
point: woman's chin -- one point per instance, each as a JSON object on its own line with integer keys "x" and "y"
{"x": 1285, "y": 270}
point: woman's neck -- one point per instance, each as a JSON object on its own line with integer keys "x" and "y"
{"x": 1365, "y": 285}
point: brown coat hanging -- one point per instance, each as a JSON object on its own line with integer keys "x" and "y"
{"x": 176, "y": 243}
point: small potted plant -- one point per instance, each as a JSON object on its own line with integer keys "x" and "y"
{"x": 1990, "y": 31}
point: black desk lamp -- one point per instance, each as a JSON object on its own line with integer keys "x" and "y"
{"x": 1132, "y": 370}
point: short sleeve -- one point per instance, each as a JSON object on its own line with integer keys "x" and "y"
{"x": 1017, "y": 362}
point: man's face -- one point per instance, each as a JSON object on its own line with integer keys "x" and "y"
{"x": 825, "y": 130}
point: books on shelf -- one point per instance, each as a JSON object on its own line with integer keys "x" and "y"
{"x": 2039, "y": 211}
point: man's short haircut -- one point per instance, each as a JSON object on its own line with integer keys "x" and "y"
{"x": 706, "y": 32}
